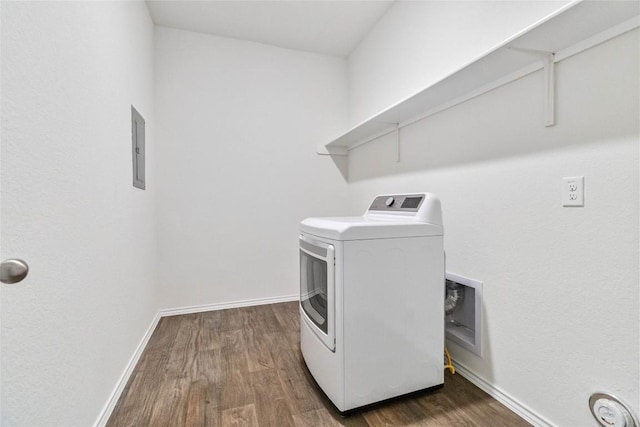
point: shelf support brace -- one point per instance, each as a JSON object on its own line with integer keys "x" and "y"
{"x": 548, "y": 60}
{"x": 324, "y": 150}
{"x": 550, "y": 83}
{"x": 396, "y": 129}
{"x": 397, "y": 125}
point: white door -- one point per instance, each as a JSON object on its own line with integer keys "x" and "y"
{"x": 70, "y": 74}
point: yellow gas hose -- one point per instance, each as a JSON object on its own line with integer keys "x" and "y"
{"x": 449, "y": 364}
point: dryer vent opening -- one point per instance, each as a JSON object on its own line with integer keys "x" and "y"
{"x": 454, "y": 297}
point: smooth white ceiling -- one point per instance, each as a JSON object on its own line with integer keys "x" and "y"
{"x": 331, "y": 27}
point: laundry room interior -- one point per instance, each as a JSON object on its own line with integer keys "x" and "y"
{"x": 518, "y": 122}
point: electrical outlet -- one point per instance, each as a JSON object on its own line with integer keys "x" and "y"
{"x": 573, "y": 191}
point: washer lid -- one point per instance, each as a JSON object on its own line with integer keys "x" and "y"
{"x": 389, "y": 216}
{"x": 362, "y": 228}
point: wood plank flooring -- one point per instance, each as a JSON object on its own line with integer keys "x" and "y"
{"x": 243, "y": 367}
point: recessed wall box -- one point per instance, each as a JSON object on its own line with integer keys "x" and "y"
{"x": 463, "y": 323}
{"x": 138, "y": 148}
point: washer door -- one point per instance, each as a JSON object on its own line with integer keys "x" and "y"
{"x": 317, "y": 293}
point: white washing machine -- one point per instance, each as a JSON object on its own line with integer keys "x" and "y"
{"x": 372, "y": 300}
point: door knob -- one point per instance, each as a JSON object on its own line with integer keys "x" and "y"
{"x": 13, "y": 271}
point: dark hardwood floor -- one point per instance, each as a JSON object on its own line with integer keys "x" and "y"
{"x": 243, "y": 367}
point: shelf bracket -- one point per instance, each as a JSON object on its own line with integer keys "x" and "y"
{"x": 550, "y": 83}
{"x": 548, "y": 60}
{"x": 396, "y": 130}
{"x": 325, "y": 150}
{"x": 397, "y": 125}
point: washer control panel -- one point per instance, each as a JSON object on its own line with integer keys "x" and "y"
{"x": 404, "y": 203}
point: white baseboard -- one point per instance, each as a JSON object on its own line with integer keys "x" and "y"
{"x": 225, "y": 305}
{"x": 124, "y": 378}
{"x": 519, "y": 408}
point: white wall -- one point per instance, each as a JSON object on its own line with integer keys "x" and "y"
{"x": 238, "y": 124}
{"x": 70, "y": 72}
{"x": 560, "y": 284}
{"x": 417, "y": 43}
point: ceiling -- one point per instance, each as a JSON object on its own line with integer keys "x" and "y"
{"x": 333, "y": 27}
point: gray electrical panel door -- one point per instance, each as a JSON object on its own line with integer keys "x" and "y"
{"x": 137, "y": 138}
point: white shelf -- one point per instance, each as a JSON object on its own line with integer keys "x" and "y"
{"x": 576, "y": 27}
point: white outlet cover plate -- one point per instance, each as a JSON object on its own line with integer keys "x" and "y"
{"x": 573, "y": 191}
